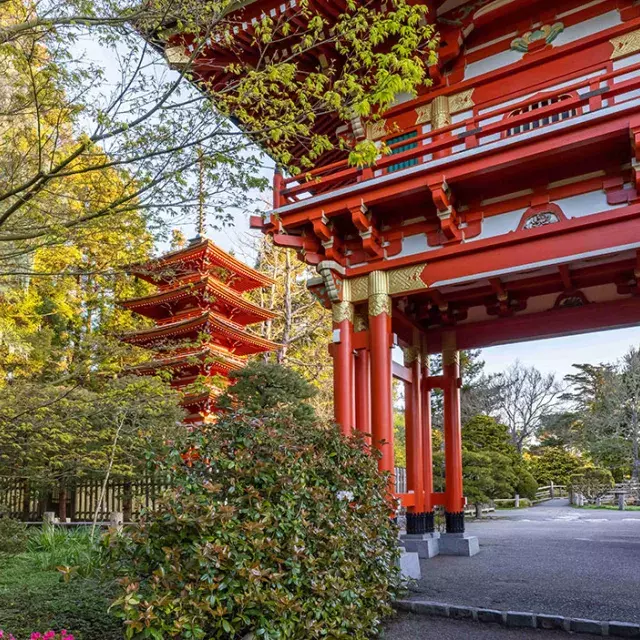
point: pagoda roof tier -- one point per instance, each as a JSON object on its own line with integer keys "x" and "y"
{"x": 208, "y": 360}
{"x": 198, "y": 404}
{"x": 201, "y": 257}
{"x": 205, "y": 292}
{"x": 220, "y": 331}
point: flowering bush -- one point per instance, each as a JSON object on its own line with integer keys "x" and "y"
{"x": 47, "y": 635}
{"x": 276, "y": 526}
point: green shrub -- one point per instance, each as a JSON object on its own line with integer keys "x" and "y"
{"x": 72, "y": 551}
{"x": 276, "y": 526}
{"x": 592, "y": 482}
{"x": 32, "y": 599}
{"x": 13, "y": 536}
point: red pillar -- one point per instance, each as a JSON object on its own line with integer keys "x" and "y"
{"x": 416, "y": 522}
{"x": 427, "y": 445}
{"x": 363, "y": 392}
{"x": 343, "y": 365}
{"x": 454, "y": 497}
{"x": 380, "y": 347}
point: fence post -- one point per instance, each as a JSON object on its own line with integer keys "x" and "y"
{"x": 516, "y": 501}
{"x": 116, "y": 520}
{"x": 621, "y": 501}
{"x": 552, "y": 493}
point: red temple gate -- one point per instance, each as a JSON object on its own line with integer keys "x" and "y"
{"x": 507, "y": 210}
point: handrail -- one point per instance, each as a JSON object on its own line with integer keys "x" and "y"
{"x": 473, "y": 131}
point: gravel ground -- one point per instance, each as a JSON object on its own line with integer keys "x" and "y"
{"x": 547, "y": 559}
{"x": 408, "y": 626}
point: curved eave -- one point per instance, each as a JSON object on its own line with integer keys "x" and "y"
{"x": 145, "y": 305}
{"x": 245, "y": 280}
{"x": 215, "y": 326}
{"x": 221, "y": 360}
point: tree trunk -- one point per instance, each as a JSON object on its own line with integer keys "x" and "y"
{"x": 478, "y": 507}
{"x": 634, "y": 437}
{"x": 288, "y": 312}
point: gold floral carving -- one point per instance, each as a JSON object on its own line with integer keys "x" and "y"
{"x": 377, "y": 130}
{"x": 342, "y": 311}
{"x": 360, "y": 322}
{"x": 461, "y": 101}
{"x": 406, "y": 279}
{"x": 424, "y": 114}
{"x": 625, "y": 44}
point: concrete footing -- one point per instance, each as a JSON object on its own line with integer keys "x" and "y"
{"x": 409, "y": 563}
{"x": 458, "y": 544}
{"x": 426, "y": 545}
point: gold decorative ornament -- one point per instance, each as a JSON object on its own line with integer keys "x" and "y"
{"x": 342, "y": 311}
{"x": 359, "y": 289}
{"x": 411, "y": 355}
{"x": 450, "y": 353}
{"x": 407, "y": 279}
{"x": 360, "y": 322}
{"x": 625, "y": 44}
{"x": 377, "y": 130}
{"x": 379, "y": 300}
{"x": 423, "y": 114}
{"x": 379, "y": 303}
{"x": 461, "y": 101}
{"x": 176, "y": 57}
{"x": 440, "y": 112}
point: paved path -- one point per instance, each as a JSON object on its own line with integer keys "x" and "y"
{"x": 550, "y": 559}
{"x": 411, "y": 627}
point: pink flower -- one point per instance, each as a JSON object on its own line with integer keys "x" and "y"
{"x": 36, "y": 636}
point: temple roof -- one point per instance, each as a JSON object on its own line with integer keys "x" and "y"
{"x": 201, "y": 256}
{"x": 221, "y": 331}
{"x": 211, "y": 357}
{"x": 203, "y": 292}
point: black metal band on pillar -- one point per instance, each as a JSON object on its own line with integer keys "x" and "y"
{"x": 454, "y": 522}
{"x": 418, "y": 523}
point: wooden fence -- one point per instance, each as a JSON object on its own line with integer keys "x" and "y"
{"x": 79, "y": 502}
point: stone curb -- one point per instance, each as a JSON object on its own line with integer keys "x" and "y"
{"x": 521, "y": 619}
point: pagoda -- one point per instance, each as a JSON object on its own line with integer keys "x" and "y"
{"x": 200, "y": 321}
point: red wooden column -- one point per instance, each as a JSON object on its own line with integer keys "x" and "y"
{"x": 380, "y": 347}
{"x": 454, "y": 497}
{"x": 416, "y": 522}
{"x": 427, "y": 443}
{"x": 362, "y": 382}
{"x": 343, "y": 364}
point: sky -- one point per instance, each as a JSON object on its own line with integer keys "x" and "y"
{"x": 556, "y": 355}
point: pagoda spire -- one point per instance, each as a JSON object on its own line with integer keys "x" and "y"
{"x": 200, "y": 318}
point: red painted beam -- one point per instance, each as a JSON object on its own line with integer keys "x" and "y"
{"x": 555, "y": 323}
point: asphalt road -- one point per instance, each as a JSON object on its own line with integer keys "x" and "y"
{"x": 547, "y": 559}
{"x": 408, "y": 626}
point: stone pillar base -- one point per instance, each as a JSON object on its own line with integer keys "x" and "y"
{"x": 458, "y": 544}
{"x": 426, "y": 545}
{"x": 409, "y": 564}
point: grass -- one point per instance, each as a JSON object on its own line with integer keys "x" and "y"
{"x": 608, "y": 507}
{"x": 34, "y": 596}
